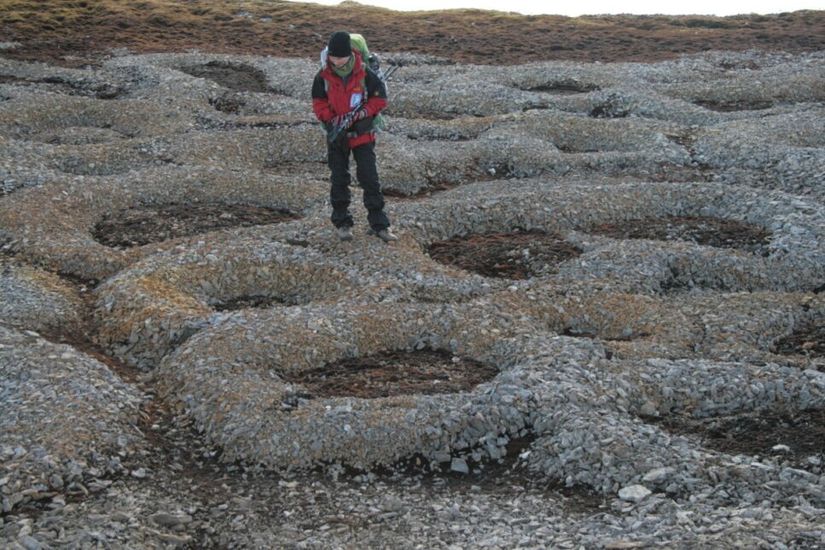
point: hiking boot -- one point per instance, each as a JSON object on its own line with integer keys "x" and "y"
{"x": 386, "y": 236}
{"x": 344, "y": 233}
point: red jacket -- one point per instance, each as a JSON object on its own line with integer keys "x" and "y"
{"x": 332, "y": 96}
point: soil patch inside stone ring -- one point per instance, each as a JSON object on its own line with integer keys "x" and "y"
{"x": 706, "y": 231}
{"x": 808, "y": 340}
{"x": 235, "y": 77}
{"x": 151, "y": 224}
{"x": 424, "y": 372}
{"x": 798, "y": 437}
{"x": 519, "y": 255}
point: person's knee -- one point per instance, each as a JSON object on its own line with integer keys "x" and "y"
{"x": 368, "y": 177}
{"x": 373, "y": 201}
{"x": 340, "y": 192}
{"x": 340, "y": 179}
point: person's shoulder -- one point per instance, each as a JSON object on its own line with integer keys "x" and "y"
{"x": 320, "y": 77}
{"x": 372, "y": 76}
{"x": 323, "y": 70}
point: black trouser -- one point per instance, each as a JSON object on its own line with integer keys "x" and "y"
{"x": 367, "y": 174}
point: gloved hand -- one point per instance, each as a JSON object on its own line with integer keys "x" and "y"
{"x": 335, "y": 134}
{"x": 337, "y": 120}
{"x": 361, "y": 114}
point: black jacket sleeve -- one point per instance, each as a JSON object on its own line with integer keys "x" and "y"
{"x": 375, "y": 86}
{"x": 319, "y": 89}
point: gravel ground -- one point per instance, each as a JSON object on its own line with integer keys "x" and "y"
{"x": 166, "y": 417}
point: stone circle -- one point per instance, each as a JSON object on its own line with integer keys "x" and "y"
{"x": 53, "y": 225}
{"x": 149, "y": 309}
{"x": 293, "y": 432}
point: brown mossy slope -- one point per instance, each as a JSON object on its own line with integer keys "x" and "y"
{"x": 74, "y": 32}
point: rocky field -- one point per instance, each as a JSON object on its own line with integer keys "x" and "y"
{"x": 602, "y": 325}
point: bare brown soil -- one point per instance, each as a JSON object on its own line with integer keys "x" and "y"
{"x": 151, "y": 224}
{"x": 705, "y": 231}
{"x": 79, "y": 32}
{"x": 233, "y": 77}
{"x": 807, "y": 340}
{"x": 395, "y": 373}
{"x": 507, "y": 255}
{"x": 802, "y": 434}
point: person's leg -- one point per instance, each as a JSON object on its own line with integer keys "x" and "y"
{"x": 339, "y": 195}
{"x": 367, "y": 174}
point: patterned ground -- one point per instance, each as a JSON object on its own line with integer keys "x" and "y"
{"x": 609, "y": 278}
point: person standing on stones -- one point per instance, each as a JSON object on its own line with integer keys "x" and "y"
{"x": 346, "y": 85}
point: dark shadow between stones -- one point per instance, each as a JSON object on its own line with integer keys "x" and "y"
{"x": 562, "y": 87}
{"x": 434, "y": 136}
{"x": 518, "y": 255}
{"x": 147, "y": 224}
{"x": 424, "y": 372}
{"x": 227, "y": 103}
{"x": 236, "y": 77}
{"x": 793, "y": 437}
{"x": 608, "y": 110}
{"x": 705, "y": 231}
{"x": 570, "y": 150}
{"x": 731, "y": 65}
{"x": 471, "y": 174}
{"x": 421, "y": 194}
{"x": 732, "y": 106}
{"x": 98, "y": 91}
{"x": 686, "y": 140}
{"x": 487, "y": 472}
{"x": 63, "y": 86}
{"x": 592, "y": 335}
{"x": 256, "y": 301}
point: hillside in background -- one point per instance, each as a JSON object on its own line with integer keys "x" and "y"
{"x": 75, "y": 32}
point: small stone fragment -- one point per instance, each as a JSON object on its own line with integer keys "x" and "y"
{"x": 459, "y": 465}
{"x": 634, "y": 493}
{"x": 657, "y": 475}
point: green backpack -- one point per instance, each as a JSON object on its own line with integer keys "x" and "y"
{"x": 358, "y": 42}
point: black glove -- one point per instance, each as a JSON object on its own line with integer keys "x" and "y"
{"x": 339, "y": 140}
